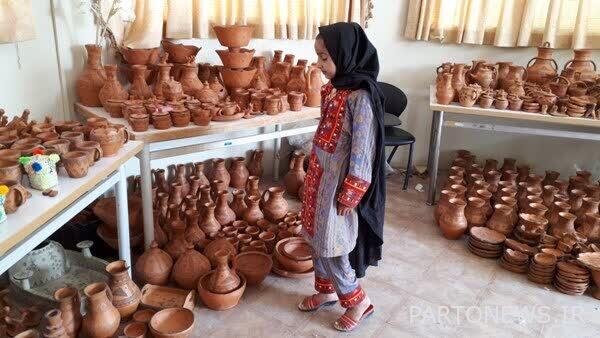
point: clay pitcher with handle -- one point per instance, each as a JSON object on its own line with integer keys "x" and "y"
{"x": 275, "y": 206}
{"x": 314, "y": 82}
{"x": 102, "y": 318}
{"x": 295, "y": 176}
{"x": 544, "y": 67}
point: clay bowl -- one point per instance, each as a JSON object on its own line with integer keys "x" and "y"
{"x": 254, "y": 265}
{"x": 289, "y": 263}
{"x": 10, "y": 170}
{"x": 297, "y": 249}
{"x": 10, "y": 154}
{"x": 234, "y": 36}
{"x": 7, "y": 140}
{"x": 178, "y": 52}
{"x": 220, "y": 301}
{"x": 143, "y": 316}
{"x": 237, "y": 59}
{"x": 135, "y": 330}
{"x": 237, "y": 78}
{"x": 140, "y": 56}
{"x": 172, "y": 323}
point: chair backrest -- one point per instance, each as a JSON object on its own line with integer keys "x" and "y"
{"x": 395, "y": 99}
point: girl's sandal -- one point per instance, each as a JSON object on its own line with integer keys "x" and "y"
{"x": 311, "y": 303}
{"x": 347, "y": 324}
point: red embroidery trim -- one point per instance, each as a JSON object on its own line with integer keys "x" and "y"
{"x": 312, "y": 182}
{"x": 332, "y": 118}
{"x": 323, "y": 285}
{"x": 353, "y": 189}
{"x": 352, "y": 298}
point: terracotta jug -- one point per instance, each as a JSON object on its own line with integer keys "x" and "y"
{"x": 209, "y": 224}
{"x": 139, "y": 88}
{"x": 469, "y": 94}
{"x": 237, "y": 204}
{"x": 177, "y": 242}
{"x": 160, "y": 181}
{"x": 160, "y": 236}
{"x": 255, "y": 167}
{"x": 189, "y": 267}
{"x": 176, "y": 194}
{"x": 459, "y": 72}
{"x": 112, "y": 89}
{"x": 164, "y": 75}
{"x": 565, "y": 225}
{"x": 576, "y": 199}
{"x": 253, "y": 214}
{"x": 503, "y": 70}
{"x": 501, "y": 220}
{"x": 102, "y": 318}
{"x": 516, "y": 74}
{"x": 544, "y": 67}
{"x": 91, "y": 79}
{"x": 189, "y": 78}
{"x": 275, "y": 206}
{"x": 52, "y": 325}
{"x": 199, "y": 173}
{"x": 219, "y": 172}
{"x": 548, "y": 195}
{"x": 69, "y": 303}
{"x": 205, "y": 197}
{"x": 223, "y": 213}
{"x": 297, "y": 81}
{"x": 277, "y": 57}
{"x": 314, "y": 82}
{"x": 153, "y": 266}
{"x": 126, "y": 294}
{"x": 182, "y": 180}
{"x": 295, "y": 176}
{"x": 475, "y": 212}
{"x": 583, "y": 64}
{"x": 261, "y": 79}
{"x": 238, "y": 173}
{"x": 555, "y": 210}
{"x": 442, "y": 206}
{"x": 223, "y": 279}
{"x": 281, "y": 75}
{"x": 483, "y": 74}
{"x": 444, "y": 92}
{"x": 193, "y": 233}
{"x": 194, "y": 186}
{"x": 590, "y": 227}
{"x": 453, "y": 222}
{"x": 589, "y": 205}
{"x": 172, "y": 90}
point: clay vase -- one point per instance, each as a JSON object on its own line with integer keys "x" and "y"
{"x": 565, "y": 225}
{"x": 442, "y": 206}
{"x": 277, "y": 57}
{"x": 160, "y": 180}
{"x": 557, "y": 208}
{"x": 193, "y": 233}
{"x": 576, "y": 199}
{"x": 237, "y": 204}
{"x": 475, "y": 212}
{"x": 503, "y": 70}
{"x": 224, "y": 279}
{"x": 548, "y": 195}
{"x": 176, "y": 194}
{"x": 275, "y": 206}
{"x": 209, "y": 224}
{"x": 281, "y": 75}
{"x": 453, "y": 222}
{"x": 238, "y": 173}
{"x": 189, "y": 79}
{"x": 589, "y": 205}
{"x": 515, "y": 74}
{"x": 189, "y": 267}
{"x": 153, "y": 266}
{"x": 261, "y": 79}
{"x": 139, "y": 88}
{"x": 253, "y": 214}
{"x": 177, "y": 242}
{"x": 164, "y": 71}
{"x": 509, "y": 164}
{"x": 91, "y": 79}
{"x": 223, "y": 213}
{"x": 112, "y": 89}
{"x": 252, "y": 188}
{"x": 444, "y": 92}
{"x": 219, "y": 172}
{"x": 583, "y": 64}
{"x": 126, "y": 294}
{"x": 199, "y": 173}
{"x": 205, "y": 197}
{"x": 182, "y": 180}
{"x": 160, "y": 236}
{"x": 255, "y": 167}
{"x": 483, "y": 74}
{"x": 69, "y": 303}
{"x": 295, "y": 176}
{"x": 102, "y": 318}
{"x": 172, "y": 90}
{"x": 550, "y": 177}
{"x": 544, "y": 67}
{"x": 52, "y": 325}
{"x": 501, "y": 220}
{"x": 314, "y": 82}
{"x": 493, "y": 178}
{"x": 297, "y": 81}
{"x": 590, "y": 227}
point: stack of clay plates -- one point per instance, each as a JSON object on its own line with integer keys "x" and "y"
{"x": 548, "y": 241}
{"x": 529, "y": 237}
{"x": 571, "y": 278}
{"x": 521, "y": 247}
{"x": 486, "y": 243}
{"x": 541, "y": 269}
{"x": 514, "y": 261}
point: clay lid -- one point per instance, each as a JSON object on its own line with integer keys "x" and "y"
{"x": 546, "y": 259}
{"x": 590, "y": 259}
{"x": 484, "y": 234}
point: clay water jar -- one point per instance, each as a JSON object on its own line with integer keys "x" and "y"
{"x": 153, "y": 266}
{"x": 76, "y": 163}
{"x": 501, "y": 219}
{"x": 102, "y": 318}
{"x": 223, "y": 213}
{"x": 565, "y": 225}
{"x": 589, "y": 205}
{"x": 590, "y": 227}
{"x": 238, "y": 205}
{"x": 548, "y": 193}
{"x": 492, "y": 177}
{"x": 441, "y": 207}
{"x": 209, "y": 224}
{"x": 296, "y": 174}
{"x": 275, "y": 206}
{"x": 460, "y": 191}
{"x": 73, "y": 137}
{"x": 172, "y": 323}
{"x": 126, "y": 294}
{"x": 453, "y": 222}
{"x": 189, "y": 267}
{"x": 219, "y": 172}
{"x": 475, "y": 212}
{"x": 223, "y": 279}
{"x": 238, "y": 173}
{"x": 10, "y": 170}
{"x": 69, "y": 303}
{"x": 537, "y": 209}
{"x": 17, "y": 195}
{"x": 92, "y": 148}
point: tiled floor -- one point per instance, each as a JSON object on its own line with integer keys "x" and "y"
{"x": 425, "y": 286}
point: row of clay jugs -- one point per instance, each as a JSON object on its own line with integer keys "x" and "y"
{"x": 69, "y": 303}
{"x": 238, "y": 173}
{"x": 189, "y": 267}
{"x": 444, "y": 92}
{"x": 453, "y": 222}
{"x": 153, "y": 266}
{"x": 295, "y": 176}
{"x": 102, "y": 318}
{"x": 223, "y": 279}
{"x": 126, "y": 294}
{"x": 91, "y": 80}
{"x": 544, "y": 66}
{"x": 274, "y": 205}
{"x": 112, "y": 88}
{"x": 583, "y": 64}
{"x": 139, "y": 88}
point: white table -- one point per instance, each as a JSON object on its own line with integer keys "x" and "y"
{"x": 41, "y": 215}
{"x": 538, "y": 124}
{"x": 193, "y": 139}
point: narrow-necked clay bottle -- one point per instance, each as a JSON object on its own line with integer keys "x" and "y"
{"x": 126, "y": 294}
{"x": 453, "y": 222}
{"x": 440, "y": 209}
{"x": 189, "y": 267}
{"x": 195, "y": 184}
{"x": 159, "y": 234}
{"x": 501, "y": 220}
{"x": 176, "y": 245}
{"x": 237, "y": 204}
{"x": 176, "y": 194}
{"x": 209, "y": 224}
{"x": 153, "y": 266}
{"x": 238, "y": 173}
{"x": 160, "y": 180}
{"x": 255, "y": 167}
{"x": 224, "y": 279}
{"x": 102, "y": 318}
{"x": 182, "y": 179}
{"x": 219, "y": 172}
{"x": 163, "y": 208}
{"x": 275, "y": 206}
{"x": 199, "y": 172}
{"x": 69, "y": 303}
{"x": 253, "y": 213}
{"x": 205, "y": 197}
{"x": 164, "y": 74}
{"x": 295, "y": 176}
{"x": 223, "y": 213}
{"x": 576, "y": 199}
{"x": 112, "y": 89}
{"x": 91, "y": 79}
{"x": 193, "y": 233}
{"x": 252, "y": 188}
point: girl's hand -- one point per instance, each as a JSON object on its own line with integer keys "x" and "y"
{"x": 343, "y": 210}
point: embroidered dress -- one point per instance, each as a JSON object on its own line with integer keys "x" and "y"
{"x": 339, "y": 171}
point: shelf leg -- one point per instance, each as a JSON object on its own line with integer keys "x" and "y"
{"x": 123, "y": 218}
{"x": 437, "y": 124}
{"x": 146, "y": 185}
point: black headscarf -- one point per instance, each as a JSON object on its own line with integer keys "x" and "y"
{"x": 357, "y": 67}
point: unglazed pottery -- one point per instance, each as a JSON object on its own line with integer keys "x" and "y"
{"x": 189, "y": 80}
{"x": 223, "y": 213}
{"x": 69, "y": 303}
{"x": 126, "y": 294}
{"x": 139, "y": 88}
{"x": 441, "y": 207}
{"x": 189, "y": 267}
{"x": 275, "y": 206}
{"x": 544, "y": 67}
{"x": 153, "y": 266}
{"x": 565, "y": 224}
{"x": 295, "y": 176}
{"x": 172, "y": 323}
{"x": 314, "y": 82}
{"x": 112, "y": 89}
{"x": 237, "y": 78}
{"x": 453, "y": 222}
{"x": 234, "y": 36}
{"x": 209, "y": 224}
{"x": 238, "y": 173}
{"x": 254, "y": 265}
{"x": 102, "y": 318}
{"x": 178, "y": 52}
{"x": 255, "y": 167}
{"x": 76, "y": 163}
{"x": 223, "y": 279}
{"x": 444, "y": 91}
{"x": 91, "y": 79}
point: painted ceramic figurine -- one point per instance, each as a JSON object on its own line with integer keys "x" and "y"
{"x": 3, "y": 192}
{"x": 41, "y": 169}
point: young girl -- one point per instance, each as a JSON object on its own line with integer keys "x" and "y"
{"x": 344, "y": 194}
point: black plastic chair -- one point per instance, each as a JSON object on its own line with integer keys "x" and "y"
{"x": 395, "y": 103}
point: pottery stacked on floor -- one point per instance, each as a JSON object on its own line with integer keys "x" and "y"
{"x": 592, "y": 261}
{"x": 221, "y": 288}
{"x": 541, "y": 268}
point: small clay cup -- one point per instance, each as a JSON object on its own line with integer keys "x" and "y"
{"x": 114, "y": 107}
{"x": 76, "y": 163}
{"x": 10, "y": 170}
{"x": 47, "y": 136}
{"x": 296, "y": 100}
{"x": 135, "y": 330}
{"x": 201, "y": 116}
{"x": 139, "y": 122}
{"x": 17, "y": 195}
{"x": 273, "y": 105}
{"x": 10, "y": 154}
{"x": 92, "y": 148}
{"x": 61, "y": 145}
{"x": 73, "y": 136}
{"x": 257, "y": 102}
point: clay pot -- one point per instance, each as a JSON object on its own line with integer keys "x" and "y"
{"x": 10, "y": 170}
{"x": 275, "y": 206}
{"x": 492, "y": 177}
{"x": 172, "y": 90}
{"x": 91, "y": 79}
{"x": 589, "y": 205}
{"x": 102, "y": 318}
{"x": 178, "y": 52}
{"x": 441, "y": 207}
{"x": 501, "y": 219}
{"x": 135, "y": 330}
{"x": 468, "y": 95}
{"x": 544, "y": 66}
{"x": 92, "y": 148}
{"x": 73, "y": 137}
{"x": 161, "y": 120}
{"x": 234, "y": 36}
{"x": 112, "y": 89}
{"x": 295, "y": 176}
{"x": 254, "y": 265}
{"x": 576, "y": 199}
{"x": 153, "y": 266}
{"x": 238, "y": 173}
{"x": 296, "y": 100}
{"x": 453, "y": 222}
{"x": 548, "y": 195}
{"x": 237, "y": 204}
{"x": 76, "y": 163}
{"x": 236, "y": 59}
{"x": 583, "y": 64}
{"x": 143, "y": 316}
{"x": 189, "y": 267}
{"x": 17, "y": 195}
{"x": 216, "y": 301}
{"x": 590, "y": 227}
{"x": 52, "y": 324}
{"x": 172, "y": 323}
{"x": 280, "y": 76}
{"x": 223, "y": 213}
{"x": 199, "y": 173}
{"x": 483, "y": 74}
{"x": 253, "y": 213}
{"x": 177, "y": 243}
{"x": 556, "y": 208}
{"x": 224, "y": 279}
{"x": 219, "y": 172}
{"x": 140, "y": 56}
{"x": 209, "y": 224}
{"x": 109, "y": 140}
{"x": 444, "y": 91}
{"x": 314, "y": 82}
{"x": 126, "y": 294}
{"x": 164, "y": 71}
{"x": 180, "y": 117}
{"x": 69, "y": 303}
{"x": 565, "y": 225}
{"x": 255, "y": 167}
{"x": 189, "y": 80}
{"x": 459, "y": 72}
{"x": 261, "y": 79}
{"x": 475, "y": 213}
{"x": 139, "y": 88}
{"x": 193, "y": 233}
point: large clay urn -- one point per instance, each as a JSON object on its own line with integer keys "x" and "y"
{"x": 590, "y": 227}
{"x": 91, "y": 79}
{"x": 237, "y": 204}
{"x": 295, "y": 176}
{"x": 153, "y": 266}
{"x": 139, "y": 88}
{"x": 442, "y": 206}
{"x": 583, "y": 64}
{"x": 126, "y": 294}
{"x": 69, "y": 303}
{"x": 219, "y": 172}
{"x": 281, "y": 75}
{"x": 255, "y": 167}
{"x": 475, "y": 212}
{"x": 190, "y": 266}
{"x": 253, "y": 214}
{"x": 275, "y": 206}
{"x": 223, "y": 213}
{"x": 102, "y": 318}
{"x": 238, "y": 173}
{"x": 544, "y": 67}
{"x": 501, "y": 219}
{"x": 444, "y": 93}
{"x": 453, "y": 222}
{"x": 314, "y": 82}
{"x": 515, "y": 74}
{"x": 112, "y": 88}
{"x": 564, "y": 225}
{"x": 223, "y": 279}
{"x": 209, "y": 224}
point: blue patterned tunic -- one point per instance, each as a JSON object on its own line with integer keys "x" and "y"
{"x": 340, "y": 170}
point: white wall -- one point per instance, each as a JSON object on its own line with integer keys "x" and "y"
{"x": 407, "y": 64}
